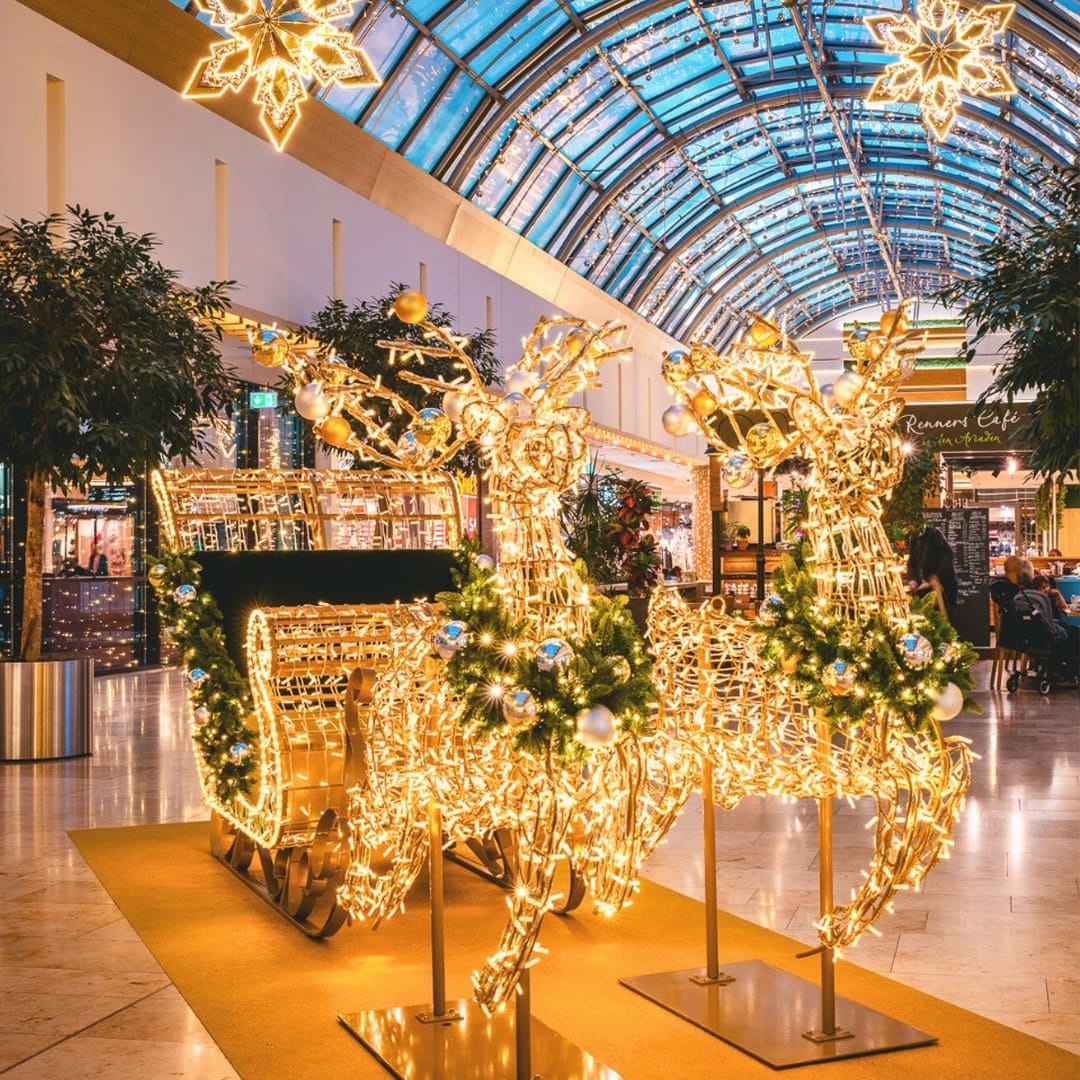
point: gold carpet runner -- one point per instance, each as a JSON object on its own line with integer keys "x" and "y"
{"x": 270, "y": 997}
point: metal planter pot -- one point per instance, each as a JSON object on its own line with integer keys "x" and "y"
{"x": 46, "y": 709}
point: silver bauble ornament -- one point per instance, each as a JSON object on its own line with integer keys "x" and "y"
{"x": 485, "y": 562}
{"x": 450, "y": 639}
{"x": 520, "y": 382}
{"x": 839, "y": 677}
{"x": 596, "y": 726}
{"x": 411, "y": 451}
{"x": 517, "y": 406}
{"x": 676, "y": 368}
{"x": 553, "y": 653}
{"x": 737, "y": 470}
{"x": 519, "y": 708}
{"x": 451, "y": 405}
{"x": 916, "y": 651}
{"x": 678, "y": 420}
{"x": 846, "y": 389}
{"x": 184, "y": 594}
{"x": 949, "y": 703}
{"x": 157, "y": 574}
{"x": 196, "y": 677}
{"x": 239, "y": 752}
{"x": 311, "y": 403}
{"x": 201, "y": 715}
{"x": 620, "y": 669}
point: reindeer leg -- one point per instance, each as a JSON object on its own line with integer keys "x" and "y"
{"x": 544, "y": 825}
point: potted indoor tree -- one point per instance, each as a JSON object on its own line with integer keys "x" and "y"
{"x": 741, "y": 535}
{"x": 108, "y": 366}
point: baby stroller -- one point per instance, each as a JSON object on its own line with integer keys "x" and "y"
{"x": 1036, "y": 640}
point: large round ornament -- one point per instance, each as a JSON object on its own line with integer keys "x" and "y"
{"x": 519, "y": 708}
{"x": 411, "y": 451}
{"x": 678, "y": 420}
{"x": 450, "y": 639}
{"x": 201, "y": 716}
{"x": 676, "y": 368}
{"x": 520, "y": 382}
{"x": 620, "y": 669}
{"x": 737, "y": 470}
{"x": 518, "y": 406}
{"x": 763, "y": 441}
{"x": 894, "y": 323}
{"x": 838, "y": 677}
{"x": 336, "y": 431}
{"x": 596, "y": 726}
{"x": 846, "y": 389}
{"x": 703, "y": 403}
{"x": 485, "y": 562}
{"x": 763, "y": 334}
{"x": 950, "y": 702}
{"x": 916, "y": 651}
{"x": 948, "y": 651}
{"x": 553, "y": 653}
{"x": 270, "y": 347}
{"x": 432, "y": 428}
{"x": 184, "y": 594}
{"x": 410, "y": 307}
{"x": 451, "y": 403}
{"x": 239, "y": 752}
{"x": 157, "y": 574}
{"x": 196, "y": 677}
{"x": 311, "y": 403}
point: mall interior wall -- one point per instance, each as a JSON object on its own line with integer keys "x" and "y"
{"x": 82, "y": 127}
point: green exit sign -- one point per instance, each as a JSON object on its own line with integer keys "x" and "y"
{"x": 263, "y": 399}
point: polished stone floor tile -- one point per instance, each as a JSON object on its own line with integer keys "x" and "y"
{"x": 996, "y": 929}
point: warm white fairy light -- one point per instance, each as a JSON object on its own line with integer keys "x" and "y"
{"x": 714, "y": 690}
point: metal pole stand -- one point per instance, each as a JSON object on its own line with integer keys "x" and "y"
{"x": 762, "y": 1010}
{"x": 450, "y": 1039}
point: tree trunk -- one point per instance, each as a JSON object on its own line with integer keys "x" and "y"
{"x": 30, "y": 637}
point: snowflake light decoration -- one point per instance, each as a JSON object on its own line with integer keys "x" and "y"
{"x": 940, "y": 55}
{"x": 284, "y": 45}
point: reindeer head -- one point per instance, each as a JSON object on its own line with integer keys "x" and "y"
{"x": 760, "y": 404}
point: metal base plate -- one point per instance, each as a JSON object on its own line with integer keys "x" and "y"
{"x": 477, "y": 1047}
{"x": 766, "y": 1011}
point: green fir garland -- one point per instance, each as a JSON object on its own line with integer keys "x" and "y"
{"x": 609, "y": 667}
{"x": 195, "y": 629}
{"x": 800, "y": 635}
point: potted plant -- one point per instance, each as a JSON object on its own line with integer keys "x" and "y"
{"x": 741, "y": 535}
{"x": 108, "y": 366}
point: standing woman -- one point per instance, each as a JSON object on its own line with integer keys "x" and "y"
{"x": 931, "y": 569}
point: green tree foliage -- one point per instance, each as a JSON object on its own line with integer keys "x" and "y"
{"x": 106, "y": 364}
{"x": 1030, "y": 291}
{"x": 353, "y": 333}
{"x": 640, "y": 560}
{"x": 903, "y": 517}
{"x": 589, "y": 511}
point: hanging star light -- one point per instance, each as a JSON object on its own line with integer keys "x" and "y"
{"x": 940, "y": 55}
{"x": 284, "y": 45}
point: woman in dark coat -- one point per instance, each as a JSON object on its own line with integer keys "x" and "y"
{"x": 931, "y": 569}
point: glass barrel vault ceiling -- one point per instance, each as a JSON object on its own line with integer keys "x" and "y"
{"x": 697, "y": 159}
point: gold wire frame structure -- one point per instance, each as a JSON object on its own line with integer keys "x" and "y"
{"x": 603, "y": 816}
{"x": 754, "y": 727}
{"x": 301, "y": 659}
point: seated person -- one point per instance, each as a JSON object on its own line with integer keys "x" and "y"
{"x": 673, "y": 573}
{"x": 1002, "y": 591}
{"x": 1064, "y": 648}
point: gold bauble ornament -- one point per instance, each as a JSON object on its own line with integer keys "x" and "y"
{"x": 703, "y": 403}
{"x": 789, "y": 663}
{"x": 157, "y": 574}
{"x": 270, "y": 347}
{"x": 894, "y": 322}
{"x": 336, "y": 431}
{"x": 763, "y": 441}
{"x": 411, "y": 307}
{"x": 431, "y": 428}
{"x": 676, "y": 368}
{"x": 764, "y": 334}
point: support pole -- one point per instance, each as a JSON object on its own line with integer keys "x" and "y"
{"x": 439, "y": 1012}
{"x": 523, "y": 1028}
{"x": 825, "y": 889}
{"x": 713, "y": 976}
{"x": 761, "y": 537}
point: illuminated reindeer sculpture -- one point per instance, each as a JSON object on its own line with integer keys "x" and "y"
{"x": 753, "y": 706}
{"x": 598, "y": 787}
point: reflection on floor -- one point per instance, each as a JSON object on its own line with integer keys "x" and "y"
{"x": 996, "y": 928}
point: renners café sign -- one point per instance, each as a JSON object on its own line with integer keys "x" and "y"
{"x": 953, "y": 427}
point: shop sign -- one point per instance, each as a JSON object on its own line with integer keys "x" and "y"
{"x": 952, "y": 427}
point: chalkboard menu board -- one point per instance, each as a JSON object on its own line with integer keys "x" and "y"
{"x": 968, "y": 533}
